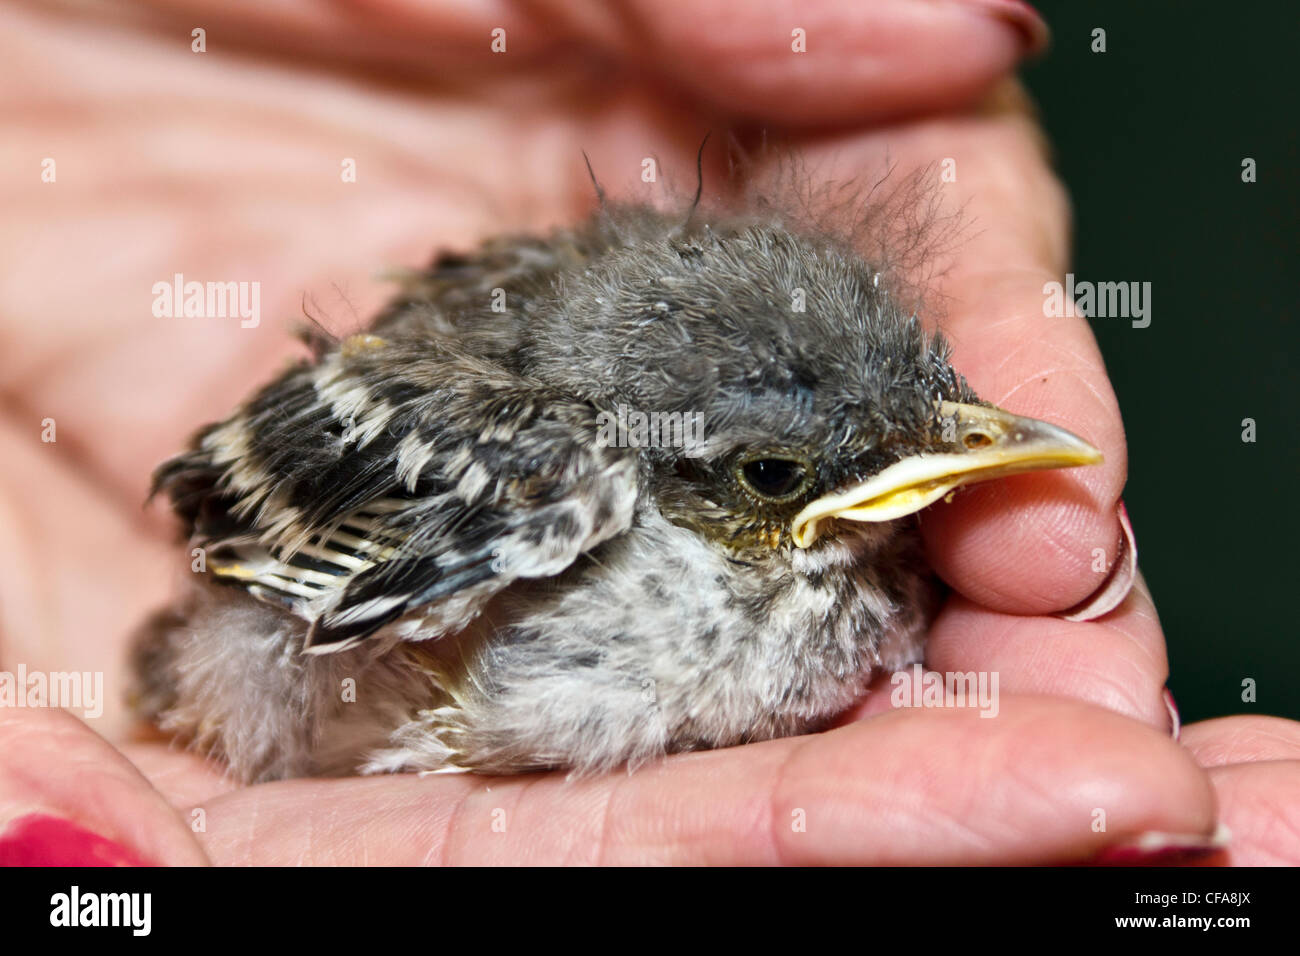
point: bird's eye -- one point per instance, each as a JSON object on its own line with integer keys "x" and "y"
{"x": 774, "y": 477}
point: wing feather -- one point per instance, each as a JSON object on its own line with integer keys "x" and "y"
{"x": 397, "y": 477}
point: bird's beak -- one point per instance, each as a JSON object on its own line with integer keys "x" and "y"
{"x": 979, "y": 443}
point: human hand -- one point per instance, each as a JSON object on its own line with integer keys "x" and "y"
{"x": 230, "y": 170}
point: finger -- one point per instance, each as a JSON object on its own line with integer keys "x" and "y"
{"x": 1118, "y": 662}
{"x": 925, "y": 786}
{"x": 1259, "y": 806}
{"x": 1026, "y": 544}
{"x": 429, "y": 39}
{"x": 56, "y": 772}
{"x": 826, "y": 62}
{"x": 850, "y": 62}
{"x": 1242, "y": 739}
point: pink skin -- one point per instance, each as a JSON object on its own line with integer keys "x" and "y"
{"x": 149, "y": 184}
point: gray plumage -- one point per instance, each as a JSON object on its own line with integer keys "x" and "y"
{"x": 420, "y": 555}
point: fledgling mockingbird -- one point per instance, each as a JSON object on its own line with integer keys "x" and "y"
{"x": 426, "y": 549}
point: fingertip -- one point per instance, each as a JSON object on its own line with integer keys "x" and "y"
{"x": 1029, "y": 544}
{"x": 831, "y": 62}
{"x": 68, "y": 798}
{"x": 1044, "y": 780}
{"x": 1260, "y": 809}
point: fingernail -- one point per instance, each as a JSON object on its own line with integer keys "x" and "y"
{"x": 1033, "y": 28}
{"x": 39, "y": 839}
{"x": 1175, "y": 720}
{"x": 1156, "y": 848}
{"x": 1119, "y": 581}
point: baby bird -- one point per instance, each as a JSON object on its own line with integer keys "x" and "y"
{"x": 574, "y": 501}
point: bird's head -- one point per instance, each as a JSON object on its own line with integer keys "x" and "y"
{"x": 775, "y": 388}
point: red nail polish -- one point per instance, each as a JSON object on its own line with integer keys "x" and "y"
{"x": 1171, "y": 856}
{"x": 39, "y": 839}
{"x": 1164, "y": 849}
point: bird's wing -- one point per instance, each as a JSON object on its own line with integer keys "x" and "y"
{"x": 396, "y": 475}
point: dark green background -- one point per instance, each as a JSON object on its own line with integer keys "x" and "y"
{"x": 1150, "y": 137}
